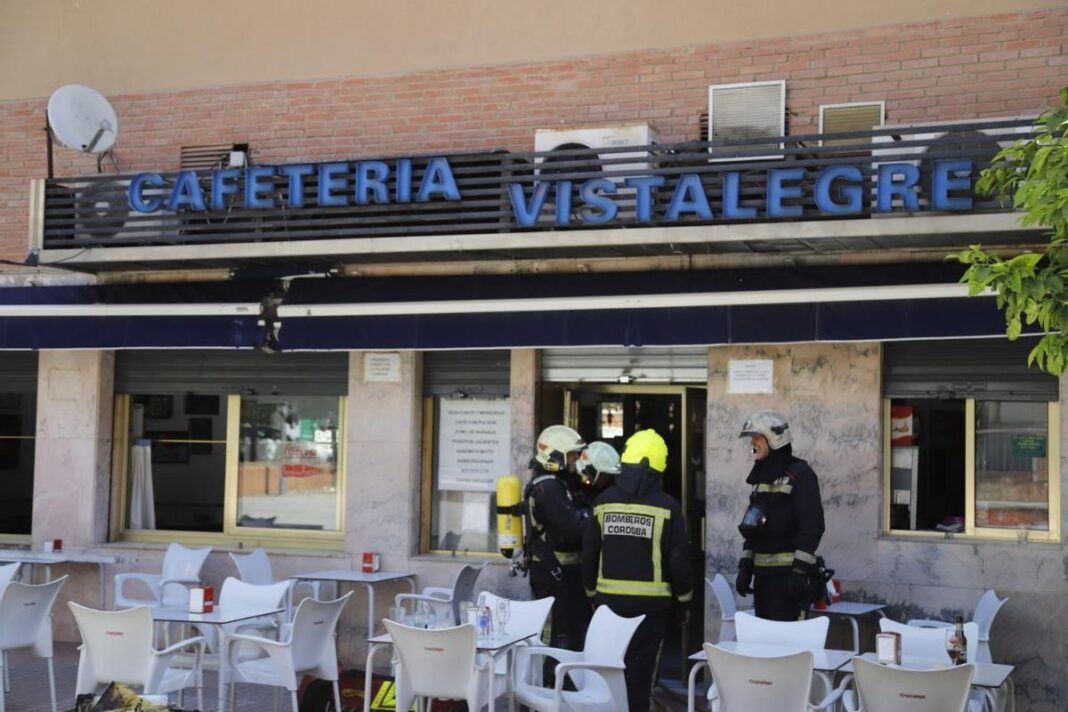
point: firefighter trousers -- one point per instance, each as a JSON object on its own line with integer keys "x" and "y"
{"x": 643, "y": 659}
{"x": 771, "y": 596}
{"x": 570, "y": 616}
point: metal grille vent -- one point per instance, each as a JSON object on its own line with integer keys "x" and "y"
{"x": 844, "y": 118}
{"x": 215, "y": 155}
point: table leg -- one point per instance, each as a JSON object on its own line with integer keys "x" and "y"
{"x": 223, "y": 658}
{"x": 856, "y": 633}
{"x": 509, "y": 679}
{"x": 370, "y": 609}
{"x": 492, "y": 677}
{"x": 691, "y": 688}
{"x": 368, "y": 673}
{"x": 100, "y": 569}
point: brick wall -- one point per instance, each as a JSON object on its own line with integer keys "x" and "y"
{"x": 935, "y": 71}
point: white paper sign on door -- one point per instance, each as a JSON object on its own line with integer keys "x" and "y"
{"x": 473, "y": 443}
{"x": 751, "y": 376}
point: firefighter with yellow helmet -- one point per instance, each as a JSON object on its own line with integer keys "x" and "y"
{"x": 635, "y": 558}
{"x": 556, "y": 518}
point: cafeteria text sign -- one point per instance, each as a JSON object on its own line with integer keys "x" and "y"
{"x": 838, "y": 189}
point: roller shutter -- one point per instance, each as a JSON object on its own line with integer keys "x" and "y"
{"x": 222, "y": 372}
{"x": 986, "y": 369}
{"x": 616, "y": 364}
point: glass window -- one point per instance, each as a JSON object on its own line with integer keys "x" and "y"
{"x": 972, "y": 467}
{"x": 184, "y": 437}
{"x": 288, "y": 472}
{"x": 1012, "y": 465}
{"x": 18, "y": 425}
{"x": 471, "y": 443}
{"x": 236, "y": 466}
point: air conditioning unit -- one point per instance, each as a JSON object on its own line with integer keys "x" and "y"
{"x": 979, "y": 145}
{"x": 617, "y": 166}
{"x": 747, "y": 111}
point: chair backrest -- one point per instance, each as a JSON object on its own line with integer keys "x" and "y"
{"x": 118, "y": 643}
{"x": 810, "y": 634}
{"x": 524, "y": 616}
{"x": 238, "y": 593}
{"x": 312, "y": 638}
{"x": 724, "y": 597}
{"x": 463, "y": 588}
{"x": 8, "y": 572}
{"x": 886, "y": 689}
{"x": 608, "y": 636}
{"x": 985, "y": 611}
{"x": 181, "y": 562}
{"x": 435, "y": 663}
{"x": 928, "y": 643}
{"x": 25, "y": 615}
{"x": 253, "y": 567}
{"x": 748, "y": 683}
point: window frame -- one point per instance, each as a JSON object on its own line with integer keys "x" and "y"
{"x": 231, "y": 535}
{"x": 426, "y": 494}
{"x": 971, "y": 530}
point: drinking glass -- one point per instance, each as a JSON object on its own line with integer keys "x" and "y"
{"x": 504, "y": 612}
{"x": 396, "y": 613}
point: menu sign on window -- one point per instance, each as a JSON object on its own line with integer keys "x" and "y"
{"x": 473, "y": 443}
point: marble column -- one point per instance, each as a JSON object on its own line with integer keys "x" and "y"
{"x": 73, "y": 448}
{"x": 522, "y": 393}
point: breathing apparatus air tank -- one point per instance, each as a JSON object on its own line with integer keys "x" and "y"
{"x": 509, "y": 515}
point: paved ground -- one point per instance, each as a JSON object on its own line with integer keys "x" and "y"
{"x": 29, "y": 687}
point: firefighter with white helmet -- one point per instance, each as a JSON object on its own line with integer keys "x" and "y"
{"x": 783, "y": 524}
{"x": 555, "y": 521}
{"x": 636, "y": 560}
{"x": 596, "y": 464}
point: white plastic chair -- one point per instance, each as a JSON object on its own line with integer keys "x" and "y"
{"x": 26, "y": 624}
{"x": 9, "y": 572}
{"x": 463, "y": 589}
{"x": 809, "y": 634}
{"x": 306, "y": 647}
{"x": 597, "y": 671}
{"x": 238, "y": 594}
{"x": 882, "y": 688}
{"x": 524, "y": 617}
{"x": 181, "y": 568}
{"x": 255, "y": 567}
{"x": 747, "y": 683}
{"x": 436, "y": 664}
{"x": 983, "y": 616}
{"x": 117, "y": 647}
{"x": 727, "y": 607}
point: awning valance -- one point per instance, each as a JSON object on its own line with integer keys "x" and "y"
{"x": 155, "y": 315}
{"x": 796, "y": 304}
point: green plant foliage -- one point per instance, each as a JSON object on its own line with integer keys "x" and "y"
{"x": 1030, "y": 287}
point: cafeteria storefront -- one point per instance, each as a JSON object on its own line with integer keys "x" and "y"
{"x": 341, "y": 357}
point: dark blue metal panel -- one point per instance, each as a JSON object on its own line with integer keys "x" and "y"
{"x": 129, "y": 332}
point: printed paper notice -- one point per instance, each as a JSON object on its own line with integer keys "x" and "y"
{"x": 751, "y": 376}
{"x": 381, "y": 368}
{"x": 473, "y": 443}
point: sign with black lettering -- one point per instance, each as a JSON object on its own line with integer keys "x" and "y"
{"x": 624, "y": 524}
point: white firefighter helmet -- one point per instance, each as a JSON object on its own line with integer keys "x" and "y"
{"x": 599, "y": 458}
{"x": 769, "y": 423}
{"x": 554, "y": 444}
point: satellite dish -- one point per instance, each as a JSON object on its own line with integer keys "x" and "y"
{"x": 82, "y": 119}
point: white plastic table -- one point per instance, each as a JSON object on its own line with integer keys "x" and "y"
{"x": 218, "y": 618}
{"x": 358, "y": 577}
{"x": 493, "y": 646}
{"x": 48, "y": 559}
{"x": 852, "y": 610}
{"x": 989, "y": 677}
{"x": 823, "y": 661}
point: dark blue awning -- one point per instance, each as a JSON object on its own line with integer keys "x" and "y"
{"x": 157, "y": 315}
{"x": 644, "y": 309}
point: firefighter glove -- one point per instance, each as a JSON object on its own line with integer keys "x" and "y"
{"x": 744, "y": 583}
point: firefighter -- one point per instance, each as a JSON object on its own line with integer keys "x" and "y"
{"x": 555, "y": 520}
{"x": 783, "y": 525}
{"x": 635, "y": 558}
{"x": 596, "y": 465}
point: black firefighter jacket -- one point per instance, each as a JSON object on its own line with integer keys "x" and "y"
{"x": 635, "y": 556}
